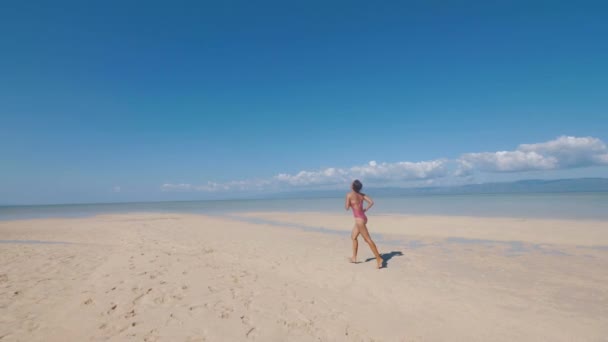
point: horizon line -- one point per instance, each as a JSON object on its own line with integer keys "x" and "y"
{"x": 269, "y": 196}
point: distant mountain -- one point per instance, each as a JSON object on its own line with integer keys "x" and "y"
{"x": 522, "y": 186}
{"x": 558, "y": 185}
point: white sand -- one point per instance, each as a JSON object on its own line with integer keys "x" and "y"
{"x": 170, "y": 277}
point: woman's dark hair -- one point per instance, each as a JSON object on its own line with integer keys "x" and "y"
{"x": 357, "y": 186}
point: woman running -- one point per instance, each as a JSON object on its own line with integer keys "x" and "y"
{"x": 355, "y": 199}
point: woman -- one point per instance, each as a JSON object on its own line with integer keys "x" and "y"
{"x": 355, "y": 199}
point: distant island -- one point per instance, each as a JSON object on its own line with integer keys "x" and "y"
{"x": 521, "y": 186}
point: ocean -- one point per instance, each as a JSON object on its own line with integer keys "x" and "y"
{"x": 579, "y": 206}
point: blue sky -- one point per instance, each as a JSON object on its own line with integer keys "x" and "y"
{"x": 115, "y": 101}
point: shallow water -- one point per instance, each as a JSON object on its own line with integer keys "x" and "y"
{"x": 590, "y": 206}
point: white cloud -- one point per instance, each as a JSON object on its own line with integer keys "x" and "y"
{"x": 508, "y": 161}
{"x": 561, "y": 153}
{"x": 116, "y": 189}
{"x": 572, "y": 151}
{"x": 373, "y": 172}
{"x": 400, "y": 171}
{"x": 176, "y": 187}
{"x": 241, "y": 185}
{"x": 306, "y": 178}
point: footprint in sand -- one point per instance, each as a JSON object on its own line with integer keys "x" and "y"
{"x": 136, "y": 299}
{"x": 114, "y": 306}
{"x": 223, "y": 310}
{"x": 173, "y": 320}
{"x": 195, "y": 308}
{"x": 130, "y": 314}
{"x": 88, "y": 301}
{"x": 151, "y": 336}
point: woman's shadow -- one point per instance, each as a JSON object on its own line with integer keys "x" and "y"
{"x": 386, "y": 257}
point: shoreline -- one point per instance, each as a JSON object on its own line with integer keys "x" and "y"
{"x": 571, "y": 232}
{"x": 226, "y": 213}
{"x": 568, "y": 206}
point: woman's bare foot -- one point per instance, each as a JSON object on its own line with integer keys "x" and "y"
{"x": 353, "y": 260}
{"x": 380, "y": 261}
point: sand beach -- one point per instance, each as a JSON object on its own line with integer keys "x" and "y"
{"x": 271, "y": 276}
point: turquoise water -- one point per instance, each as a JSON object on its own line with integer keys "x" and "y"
{"x": 591, "y": 206}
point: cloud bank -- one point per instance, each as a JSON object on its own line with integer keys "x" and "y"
{"x": 561, "y": 153}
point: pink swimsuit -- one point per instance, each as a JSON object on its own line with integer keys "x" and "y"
{"x": 358, "y": 212}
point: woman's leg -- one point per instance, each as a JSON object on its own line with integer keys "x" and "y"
{"x": 354, "y": 236}
{"x": 365, "y": 233}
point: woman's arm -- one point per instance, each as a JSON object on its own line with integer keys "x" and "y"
{"x": 370, "y": 202}
{"x": 347, "y": 203}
